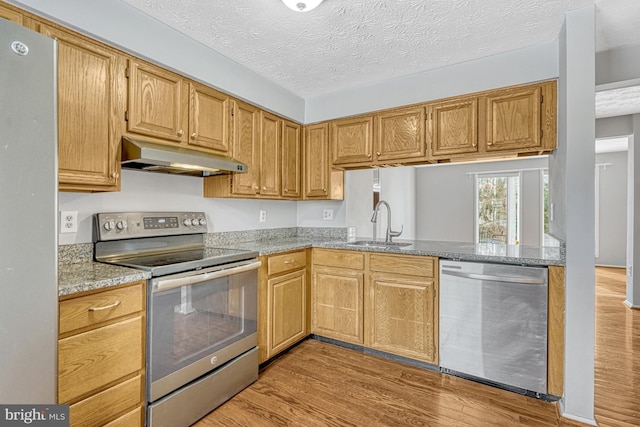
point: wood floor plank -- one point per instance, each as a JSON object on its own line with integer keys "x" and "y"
{"x": 318, "y": 384}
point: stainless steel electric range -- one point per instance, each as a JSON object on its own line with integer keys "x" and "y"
{"x": 201, "y": 310}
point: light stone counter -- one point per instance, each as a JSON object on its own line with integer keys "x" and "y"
{"x": 89, "y": 276}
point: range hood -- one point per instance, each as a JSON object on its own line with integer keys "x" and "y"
{"x": 139, "y": 154}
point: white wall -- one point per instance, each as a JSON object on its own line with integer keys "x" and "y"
{"x": 613, "y": 209}
{"x": 445, "y": 199}
{"x": 358, "y": 193}
{"x": 633, "y": 216}
{"x": 520, "y": 66}
{"x": 619, "y": 64}
{"x": 144, "y": 191}
{"x": 398, "y": 188}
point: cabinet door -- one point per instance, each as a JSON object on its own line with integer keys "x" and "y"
{"x": 208, "y": 118}
{"x": 453, "y": 127}
{"x": 316, "y": 161}
{"x": 89, "y": 128}
{"x": 291, "y": 159}
{"x": 400, "y": 134}
{"x": 513, "y": 119}
{"x": 11, "y": 15}
{"x": 401, "y": 316}
{"x": 336, "y": 304}
{"x": 155, "y": 102}
{"x": 352, "y": 140}
{"x": 246, "y": 147}
{"x": 269, "y": 155}
{"x": 287, "y": 310}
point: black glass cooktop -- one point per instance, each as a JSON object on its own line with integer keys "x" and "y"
{"x": 179, "y": 261}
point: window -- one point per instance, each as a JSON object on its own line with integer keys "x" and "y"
{"x": 497, "y": 208}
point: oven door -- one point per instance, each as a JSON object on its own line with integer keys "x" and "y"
{"x": 198, "y": 321}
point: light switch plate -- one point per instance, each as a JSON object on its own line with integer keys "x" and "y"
{"x": 68, "y": 221}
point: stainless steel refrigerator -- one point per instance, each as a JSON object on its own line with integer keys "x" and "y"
{"x": 28, "y": 217}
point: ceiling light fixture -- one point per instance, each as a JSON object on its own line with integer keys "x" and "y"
{"x": 302, "y": 5}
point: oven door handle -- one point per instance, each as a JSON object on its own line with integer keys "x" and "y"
{"x": 163, "y": 285}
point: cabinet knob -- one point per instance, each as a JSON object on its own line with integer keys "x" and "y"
{"x": 264, "y": 188}
{"x": 474, "y": 144}
{"x": 324, "y": 189}
{"x": 193, "y": 135}
{"x": 286, "y": 189}
{"x": 489, "y": 143}
{"x": 180, "y": 132}
{"x": 115, "y": 175}
{"x": 369, "y": 155}
{"x": 377, "y": 153}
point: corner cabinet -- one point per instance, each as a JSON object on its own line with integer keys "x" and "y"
{"x": 291, "y": 160}
{"x": 321, "y": 182}
{"x": 284, "y": 301}
{"x": 90, "y": 109}
{"x": 101, "y": 356}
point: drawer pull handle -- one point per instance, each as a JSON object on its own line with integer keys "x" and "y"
{"x": 289, "y": 261}
{"x": 115, "y": 304}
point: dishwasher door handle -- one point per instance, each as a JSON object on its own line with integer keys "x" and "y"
{"x": 504, "y": 279}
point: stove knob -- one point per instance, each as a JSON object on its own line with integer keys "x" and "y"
{"x": 203, "y": 221}
{"x": 109, "y": 225}
{"x": 121, "y": 225}
{"x": 187, "y": 222}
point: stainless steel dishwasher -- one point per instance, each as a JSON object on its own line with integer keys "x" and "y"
{"x": 493, "y": 324}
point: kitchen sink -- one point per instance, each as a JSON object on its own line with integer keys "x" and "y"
{"x": 377, "y": 244}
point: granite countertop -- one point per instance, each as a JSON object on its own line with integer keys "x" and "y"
{"x": 88, "y": 276}
{"x": 488, "y": 252}
{"x": 83, "y": 274}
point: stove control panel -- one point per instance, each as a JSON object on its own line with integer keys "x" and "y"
{"x": 128, "y": 225}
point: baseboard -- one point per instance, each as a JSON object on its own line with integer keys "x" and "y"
{"x": 563, "y": 414}
{"x": 628, "y": 304}
{"x": 610, "y": 266}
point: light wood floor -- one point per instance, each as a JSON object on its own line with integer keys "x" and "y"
{"x": 318, "y": 384}
{"x": 617, "y": 362}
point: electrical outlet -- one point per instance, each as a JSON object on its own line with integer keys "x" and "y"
{"x": 68, "y": 221}
{"x": 327, "y": 215}
{"x": 263, "y": 215}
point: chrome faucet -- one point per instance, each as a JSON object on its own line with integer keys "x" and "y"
{"x": 374, "y": 219}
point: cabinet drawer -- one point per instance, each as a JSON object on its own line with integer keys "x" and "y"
{"x": 340, "y": 259}
{"x": 93, "y": 359}
{"x": 286, "y": 262}
{"x": 100, "y": 408}
{"x": 92, "y": 309}
{"x": 130, "y": 419}
{"x": 423, "y": 266}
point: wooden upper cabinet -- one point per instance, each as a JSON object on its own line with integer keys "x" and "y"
{"x": 453, "y": 127}
{"x": 316, "y": 161}
{"x": 400, "y": 134}
{"x": 246, "y": 147}
{"x": 352, "y": 140}
{"x": 269, "y": 163}
{"x": 513, "y": 118}
{"x": 291, "y": 159}
{"x": 90, "y": 104}
{"x": 208, "y": 118}
{"x": 11, "y": 15}
{"x": 156, "y": 103}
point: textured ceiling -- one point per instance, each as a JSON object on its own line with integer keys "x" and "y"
{"x": 351, "y": 43}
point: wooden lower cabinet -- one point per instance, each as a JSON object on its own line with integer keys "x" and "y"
{"x": 284, "y": 300}
{"x": 401, "y": 315}
{"x": 386, "y": 302}
{"x": 101, "y": 356}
